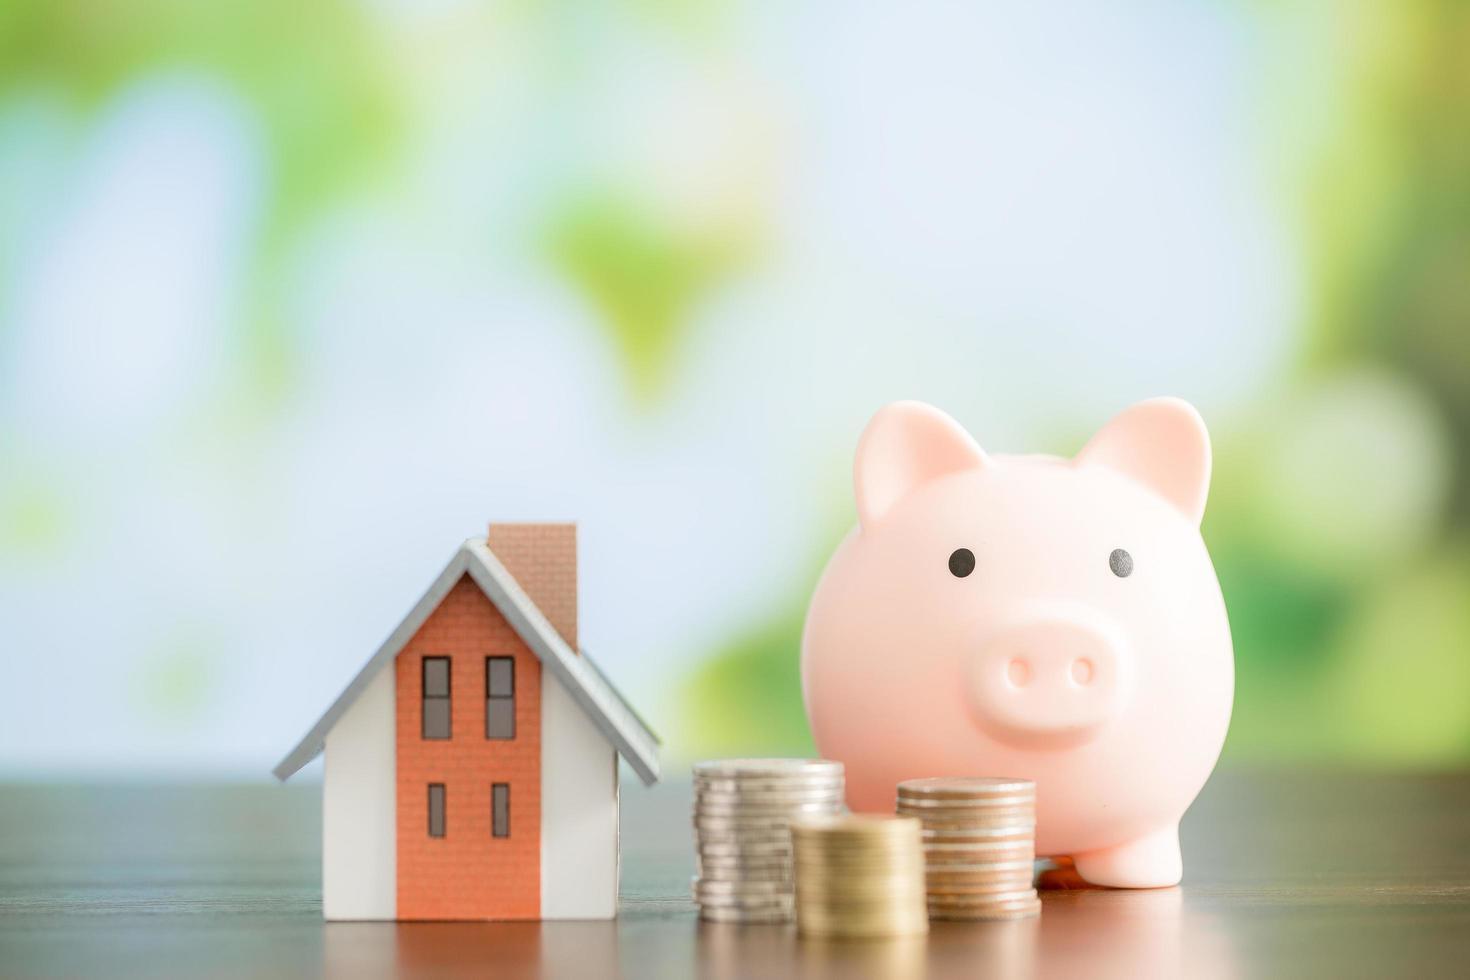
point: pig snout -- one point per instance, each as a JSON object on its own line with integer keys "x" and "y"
{"x": 1051, "y": 681}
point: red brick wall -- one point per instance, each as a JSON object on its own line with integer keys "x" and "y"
{"x": 468, "y": 874}
{"x": 543, "y": 560}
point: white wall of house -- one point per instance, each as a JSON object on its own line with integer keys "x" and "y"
{"x": 359, "y": 808}
{"x": 579, "y": 811}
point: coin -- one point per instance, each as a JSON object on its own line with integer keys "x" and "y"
{"x": 1001, "y": 893}
{"x": 976, "y": 904}
{"x": 753, "y": 907}
{"x": 714, "y": 913}
{"x": 959, "y": 872}
{"x": 857, "y": 827}
{"x": 775, "y": 883}
{"x": 767, "y": 796}
{"x": 753, "y": 830}
{"x": 859, "y": 875}
{"x": 979, "y": 845}
{"x": 749, "y": 903}
{"x": 759, "y": 789}
{"x": 982, "y": 852}
{"x": 995, "y": 824}
{"x": 743, "y": 849}
{"x": 767, "y": 902}
{"x": 728, "y": 885}
{"x": 980, "y": 879}
{"x": 847, "y": 895}
{"x": 954, "y": 819}
{"x": 992, "y": 914}
{"x": 744, "y": 899}
{"x": 1012, "y": 840}
{"x": 773, "y": 781}
{"x": 715, "y": 858}
{"x": 852, "y": 926}
{"x": 757, "y": 818}
{"x": 965, "y": 787}
{"x": 1013, "y": 828}
{"x": 754, "y": 823}
{"x": 768, "y": 835}
{"x": 736, "y": 854}
{"x": 777, "y": 797}
{"x": 714, "y": 863}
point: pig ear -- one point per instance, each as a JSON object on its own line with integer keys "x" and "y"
{"x": 905, "y": 445}
{"x": 1162, "y": 443}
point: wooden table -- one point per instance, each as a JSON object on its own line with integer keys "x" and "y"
{"x": 1288, "y": 875}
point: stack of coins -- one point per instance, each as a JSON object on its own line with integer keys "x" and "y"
{"x": 859, "y": 876}
{"x": 979, "y": 845}
{"x": 742, "y": 808}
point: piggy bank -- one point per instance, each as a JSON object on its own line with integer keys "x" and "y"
{"x": 1030, "y": 616}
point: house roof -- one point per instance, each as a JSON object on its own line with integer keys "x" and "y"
{"x": 589, "y": 687}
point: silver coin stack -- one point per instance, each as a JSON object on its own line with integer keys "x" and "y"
{"x": 742, "y": 835}
{"x": 979, "y": 845}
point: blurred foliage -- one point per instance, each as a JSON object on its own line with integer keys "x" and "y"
{"x": 327, "y": 109}
{"x": 32, "y": 521}
{"x": 1386, "y": 213}
{"x": 1387, "y": 226}
{"x": 171, "y": 683}
{"x": 746, "y": 699}
{"x": 642, "y": 275}
{"x": 332, "y": 112}
{"x": 1403, "y": 682}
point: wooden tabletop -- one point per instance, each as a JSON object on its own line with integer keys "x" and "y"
{"x": 1286, "y": 875}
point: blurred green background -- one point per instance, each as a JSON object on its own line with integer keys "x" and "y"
{"x": 295, "y": 297}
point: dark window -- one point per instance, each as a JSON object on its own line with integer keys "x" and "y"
{"x": 436, "y": 697}
{"x": 500, "y": 697}
{"x": 500, "y": 810}
{"x": 436, "y": 809}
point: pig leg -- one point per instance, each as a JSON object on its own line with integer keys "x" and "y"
{"x": 1151, "y": 861}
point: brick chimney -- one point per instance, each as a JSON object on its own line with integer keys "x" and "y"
{"x": 543, "y": 559}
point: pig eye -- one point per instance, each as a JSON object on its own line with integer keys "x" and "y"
{"x": 1121, "y": 562}
{"x": 962, "y": 562}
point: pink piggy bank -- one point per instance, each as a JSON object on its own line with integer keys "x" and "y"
{"x": 1030, "y": 616}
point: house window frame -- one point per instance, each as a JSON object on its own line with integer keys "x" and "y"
{"x": 506, "y": 697}
{"x": 425, "y": 698}
{"x": 443, "y": 811}
{"x": 499, "y": 830}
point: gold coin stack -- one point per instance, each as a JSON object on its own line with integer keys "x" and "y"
{"x": 859, "y": 876}
{"x": 742, "y": 842}
{"x": 979, "y": 845}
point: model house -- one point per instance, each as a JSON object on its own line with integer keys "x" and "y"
{"x": 472, "y": 764}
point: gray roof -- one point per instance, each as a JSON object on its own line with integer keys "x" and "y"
{"x": 587, "y": 684}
